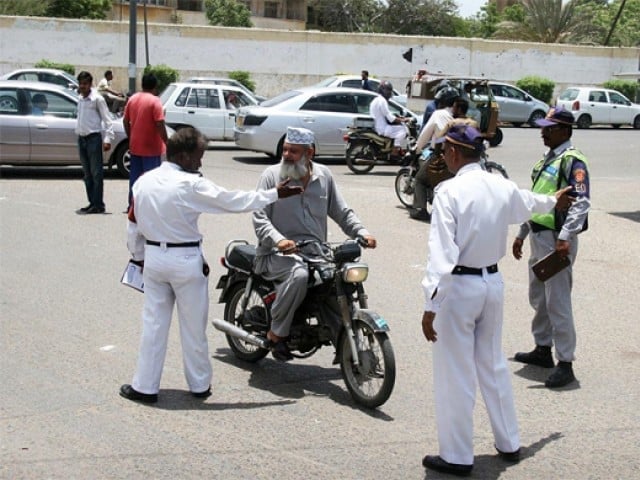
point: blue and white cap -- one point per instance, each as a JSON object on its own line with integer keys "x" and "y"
{"x": 299, "y": 136}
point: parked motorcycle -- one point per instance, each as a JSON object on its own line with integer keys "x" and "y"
{"x": 405, "y": 182}
{"x": 366, "y": 148}
{"x": 336, "y": 277}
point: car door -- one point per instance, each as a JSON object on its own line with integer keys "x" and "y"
{"x": 203, "y": 110}
{"x": 15, "y": 145}
{"x": 328, "y": 116}
{"x": 597, "y": 106}
{"x": 53, "y": 136}
{"x": 233, "y": 100}
{"x": 621, "y": 110}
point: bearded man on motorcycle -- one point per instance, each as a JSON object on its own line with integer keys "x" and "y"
{"x": 386, "y": 123}
{"x": 279, "y": 226}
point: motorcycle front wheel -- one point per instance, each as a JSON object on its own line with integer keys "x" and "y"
{"x": 405, "y": 186}
{"x": 234, "y": 314}
{"x": 371, "y": 383}
{"x": 360, "y": 157}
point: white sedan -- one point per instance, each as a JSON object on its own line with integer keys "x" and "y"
{"x": 327, "y": 112}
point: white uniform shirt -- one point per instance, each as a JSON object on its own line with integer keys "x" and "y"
{"x": 168, "y": 202}
{"x": 94, "y": 116}
{"x": 379, "y": 110}
{"x": 438, "y": 122}
{"x": 469, "y": 224}
{"x": 104, "y": 85}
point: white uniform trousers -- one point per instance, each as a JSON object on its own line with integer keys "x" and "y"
{"x": 469, "y": 348}
{"x": 553, "y": 318}
{"x": 397, "y": 132}
{"x": 174, "y": 275}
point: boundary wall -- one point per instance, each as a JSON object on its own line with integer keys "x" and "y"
{"x": 279, "y": 60}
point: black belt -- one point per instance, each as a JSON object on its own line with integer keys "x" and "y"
{"x": 173, "y": 245}
{"x": 462, "y": 270}
{"x": 536, "y": 227}
{"x": 90, "y": 135}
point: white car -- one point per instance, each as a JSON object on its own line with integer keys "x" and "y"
{"x": 327, "y": 112}
{"x": 354, "y": 81}
{"x": 516, "y": 105}
{"x": 204, "y": 106}
{"x": 47, "y": 75}
{"x": 230, "y": 82}
{"x": 596, "y": 105}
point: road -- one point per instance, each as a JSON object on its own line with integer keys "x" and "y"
{"x": 69, "y": 338}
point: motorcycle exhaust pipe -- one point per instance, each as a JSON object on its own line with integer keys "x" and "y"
{"x": 235, "y": 331}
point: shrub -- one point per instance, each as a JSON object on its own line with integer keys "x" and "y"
{"x": 538, "y": 87}
{"x": 244, "y": 78}
{"x": 629, "y": 88}
{"x": 164, "y": 73}
{"x": 70, "y": 69}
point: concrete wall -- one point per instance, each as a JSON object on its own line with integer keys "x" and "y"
{"x": 279, "y": 60}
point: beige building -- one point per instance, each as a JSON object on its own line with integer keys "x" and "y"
{"x": 278, "y": 14}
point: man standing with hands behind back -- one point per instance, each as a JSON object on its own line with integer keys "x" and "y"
{"x": 144, "y": 124}
{"x": 553, "y": 319}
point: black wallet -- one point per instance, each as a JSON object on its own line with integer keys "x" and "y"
{"x": 547, "y": 267}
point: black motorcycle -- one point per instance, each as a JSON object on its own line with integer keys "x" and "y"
{"x": 366, "y": 148}
{"x": 405, "y": 183}
{"x": 336, "y": 277}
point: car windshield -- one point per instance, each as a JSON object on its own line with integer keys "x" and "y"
{"x": 166, "y": 93}
{"x": 281, "y": 98}
{"x": 69, "y": 77}
{"x": 326, "y": 82}
{"x": 569, "y": 94}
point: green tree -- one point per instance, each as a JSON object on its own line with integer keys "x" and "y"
{"x": 227, "y": 13}
{"x": 422, "y": 17}
{"x": 93, "y": 9}
{"x": 164, "y": 73}
{"x": 347, "y": 15}
{"x": 24, "y": 7}
{"x": 627, "y": 29}
{"x": 549, "y": 21}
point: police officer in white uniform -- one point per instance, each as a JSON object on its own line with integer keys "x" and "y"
{"x": 163, "y": 233}
{"x": 464, "y": 300}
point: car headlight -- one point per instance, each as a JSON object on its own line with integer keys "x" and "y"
{"x": 355, "y": 272}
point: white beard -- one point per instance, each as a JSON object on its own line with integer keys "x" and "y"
{"x": 294, "y": 171}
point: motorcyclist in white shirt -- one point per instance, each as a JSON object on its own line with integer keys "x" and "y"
{"x": 386, "y": 123}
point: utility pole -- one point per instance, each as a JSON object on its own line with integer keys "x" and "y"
{"x": 615, "y": 22}
{"x": 133, "y": 18}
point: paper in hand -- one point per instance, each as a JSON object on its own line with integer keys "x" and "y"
{"x": 132, "y": 276}
{"x": 547, "y": 267}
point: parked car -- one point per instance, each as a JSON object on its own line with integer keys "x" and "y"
{"x": 596, "y": 105}
{"x": 230, "y": 82}
{"x": 31, "y": 138}
{"x": 47, "y": 75}
{"x": 517, "y": 106}
{"x": 204, "y": 106}
{"x": 328, "y": 112}
{"x": 355, "y": 81}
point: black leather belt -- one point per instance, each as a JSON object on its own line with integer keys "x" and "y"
{"x": 173, "y": 245}
{"x": 462, "y": 270}
{"x": 536, "y": 227}
{"x": 90, "y": 135}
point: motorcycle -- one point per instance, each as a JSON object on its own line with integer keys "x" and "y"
{"x": 405, "y": 182}
{"x": 366, "y": 148}
{"x": 336, "y": 277}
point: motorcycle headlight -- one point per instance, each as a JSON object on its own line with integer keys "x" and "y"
{"x": 355, "y": 272}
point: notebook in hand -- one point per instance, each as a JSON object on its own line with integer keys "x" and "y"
{"x": 547, "y": 267}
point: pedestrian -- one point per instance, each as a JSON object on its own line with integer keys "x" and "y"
{"x": 144, "y": 123}
{"x": 279, "y": 226}
{"x": 464, "y": 300}
{"x": 552, "y": 323}
{"x": 95, "y": 134}
{"x": 365, "y": 80}
{"x": 163, "y": 237}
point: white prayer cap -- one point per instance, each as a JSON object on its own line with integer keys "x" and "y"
{"x": 299, "y": 136}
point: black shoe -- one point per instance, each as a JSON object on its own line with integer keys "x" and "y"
{"x": 205, "y": 394}
{"x": 540, "y": 356}
{"x": 434, "y": 462}
{"x": 127, "y": 391}
{"x": 85, "y": 209}
{"x": 420, "y": 214}
{"x": 280, "y": 351}
{"x": 511, "y": 457}
{"x": 562, "y": 375}
{"x": 94, "y": 210}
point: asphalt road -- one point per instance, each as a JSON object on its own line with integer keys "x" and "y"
{"x": 69, "y": 336}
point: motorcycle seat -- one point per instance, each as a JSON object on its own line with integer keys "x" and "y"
{"x": 242, "y": 257}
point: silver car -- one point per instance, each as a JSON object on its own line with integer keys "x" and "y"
{"x": 328, "y": 112}
{"x": 355, "y": 81}
{"x": 516, "y": 105}
{"x": 32, "y": 137}
{"x": 47, "y": 75}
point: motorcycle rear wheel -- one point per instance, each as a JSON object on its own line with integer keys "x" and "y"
{"x": 233, "y": 314}
{"x": 357, "y": 152}
{"x": 372, "y": 382}
{"x": 405, "y": 187}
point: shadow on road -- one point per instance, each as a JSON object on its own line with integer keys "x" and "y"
{"x": 52, "y": 173}
{"x": 171, "y": 399}
{"x": 633, "y": 216}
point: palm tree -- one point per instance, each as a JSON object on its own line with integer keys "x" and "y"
{"x": 548, "y": 21}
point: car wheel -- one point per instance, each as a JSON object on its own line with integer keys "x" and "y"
{"x": 537, "y": 115}
{"x": 279, "y": 149}
{"x": 497, "y": 138}
{"x": 636, "y": 122}
{"x": 584, "y": 121}
{"x": 123, "y": 159}
{"x": 8, "y": 104}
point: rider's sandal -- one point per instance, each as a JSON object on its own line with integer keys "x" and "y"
{"x": 280, "y": 351}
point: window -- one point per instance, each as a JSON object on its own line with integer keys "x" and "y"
{"x": 352, "y": 83}
{"x": 203, "y": 98}
{"x": 331, "y": 103}
{"x": 235, "y": 98}
{"x": 55, "y": 79}
{"x": 190, "y": 5}
{"x": 618, "y": 99}
{"x": 363, "y": 102}
{"x": 271, "y": 9}
{"x": 597, "y": 96}
{"x": 182, "y": 98}
{"x": 9, "y": 101}
{"x": 512, "y": 93}
{"x": 51, "y": 104}
{"x": 27, "y": 76}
